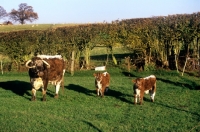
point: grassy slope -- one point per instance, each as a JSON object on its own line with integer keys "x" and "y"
{"x": 176, "y": 107}
{"x": 9, "y": 28}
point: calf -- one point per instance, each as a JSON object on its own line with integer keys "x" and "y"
{"x": 102, "y": 82}
{"x": 141, "y": 85}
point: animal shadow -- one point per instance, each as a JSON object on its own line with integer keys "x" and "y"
{"x": 80, "y": 89}
{"x": 118, "y": 95}
{"x": 18, "y": 87}
{"x": 128, "y": 74}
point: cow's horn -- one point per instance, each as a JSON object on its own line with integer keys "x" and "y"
{"x": 48, "y": 66}
{"x": 27, "y": 64}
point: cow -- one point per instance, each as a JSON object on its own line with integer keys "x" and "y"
{"x": 102, "y": 82}
{"x": 44, "y": 69}
{"x": 144, "y": 85}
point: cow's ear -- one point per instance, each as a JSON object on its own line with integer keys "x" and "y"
{"x": 94, "y": 74}
{"x": 134, "y": 80}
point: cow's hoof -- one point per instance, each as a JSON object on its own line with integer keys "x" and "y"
{"x": 44, "y": 99}
{"x": 33, "y": 99}
{"x": 56, "y": 96}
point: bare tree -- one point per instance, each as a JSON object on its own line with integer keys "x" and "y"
{"x": 24, "y": 13}
{"x": 3, "y": 12}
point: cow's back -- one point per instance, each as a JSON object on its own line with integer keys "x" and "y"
{"x": 57, "y": 68}
{"x": 149, "y": 82}
{"x": 106, "y": 79}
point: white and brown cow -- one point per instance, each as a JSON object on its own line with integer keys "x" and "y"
{"x": 144, "y": 85}
{"x": 102, "y": 82}
{"x": 45, "y": 69}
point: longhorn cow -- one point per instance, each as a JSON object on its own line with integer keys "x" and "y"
{"x": 44, "y": 69}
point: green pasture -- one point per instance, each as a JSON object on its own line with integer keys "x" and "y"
{"x": 176, "y": 107}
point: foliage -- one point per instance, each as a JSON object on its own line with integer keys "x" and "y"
{"x": 160, "y": 38}
{"x": 3, "y": 12}
{"x": 23, "y": 14}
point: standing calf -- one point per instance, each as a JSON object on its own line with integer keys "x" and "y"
{"x": 102, "y": 82}
{"x": 141, "y": 85}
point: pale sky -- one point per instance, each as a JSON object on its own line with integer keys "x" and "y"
{"x": 84, "y": 11}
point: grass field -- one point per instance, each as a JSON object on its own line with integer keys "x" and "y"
{"x": 9, "y": 28}
{"x": 176, "y": 107}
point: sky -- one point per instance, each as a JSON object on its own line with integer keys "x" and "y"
{"x": 95, "y": 11}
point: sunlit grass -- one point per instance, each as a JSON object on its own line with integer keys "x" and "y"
{"x": 9, "y": 28}
{"x": 176, "y": 106}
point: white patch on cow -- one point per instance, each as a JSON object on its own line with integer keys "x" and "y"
{"x": 63, "y": 72}
{"x": 153, "y": 95}
{"x": 146, "y": 92}
{"x": 57, "y": 88}
{"x": 49, "y": 56}
{"x": 34, "y": 92}
{"x": 137, "y": 95}
{"x": 99, "y": 85}
{"x": 151, "y": 76}
{"x": 100, "y": 68}
{"x": 37, "y": 83}
{"x": 105, "y": 73}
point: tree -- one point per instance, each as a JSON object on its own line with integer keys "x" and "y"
{"x": 3, "y": 12}
{"x": 24, "y": 13}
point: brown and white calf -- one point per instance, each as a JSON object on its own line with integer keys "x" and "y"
{"x": 102, "y": 82}
{"x": 144, "y": 85}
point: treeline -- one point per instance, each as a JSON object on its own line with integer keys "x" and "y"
{"x": 159, "y": 38}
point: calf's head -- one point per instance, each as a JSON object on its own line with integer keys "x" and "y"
{"x": 138, "y": 83}
{"x": 98, "y": 77}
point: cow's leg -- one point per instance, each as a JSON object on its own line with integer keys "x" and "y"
{"x": 97, "y": 91}
{"x": 44, "y": 94}
{"x": 153, "y": 93}
{"x": 102, "y": 92}
{"x": 57, "y": 90}
{"x": 135, "y": 98}
{"x": 33, "y": 94}
{"x": 141, "y": 97}
{"x": 136, "y": 95}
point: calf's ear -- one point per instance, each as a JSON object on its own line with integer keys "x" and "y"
{"x": 94, "y": 74}
{"x": 134, "y": 80}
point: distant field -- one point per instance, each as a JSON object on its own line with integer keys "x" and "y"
{"x": 9, "y": 28}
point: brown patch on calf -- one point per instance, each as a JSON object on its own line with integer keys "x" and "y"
{"x": 102, "y": 81}
{"x": 142, "y": 85}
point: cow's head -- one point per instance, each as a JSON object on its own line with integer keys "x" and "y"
{"x": 37, "y": 65}
{"x": 98, "y": 76}
{"x": 138, "y": 83}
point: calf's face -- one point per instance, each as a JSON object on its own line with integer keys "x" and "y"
{"x": 138, "y": 83}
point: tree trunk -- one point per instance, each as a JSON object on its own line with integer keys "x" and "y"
{"x": 87, "y": 57}
{"x": 1, "y": 67}
{"x": 187, "y": 56}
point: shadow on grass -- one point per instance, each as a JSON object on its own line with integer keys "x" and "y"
{"x": 93, "y": 126}
{"x": 110, "y": 92}
{"x": 179, "y": 108}
{"x": 128, "y": 74}
{"x": 18, "y": 87}
{"x": 118, "y": 95}
{"x": 80, "y": 89}
{"x": 191, "y": 87}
